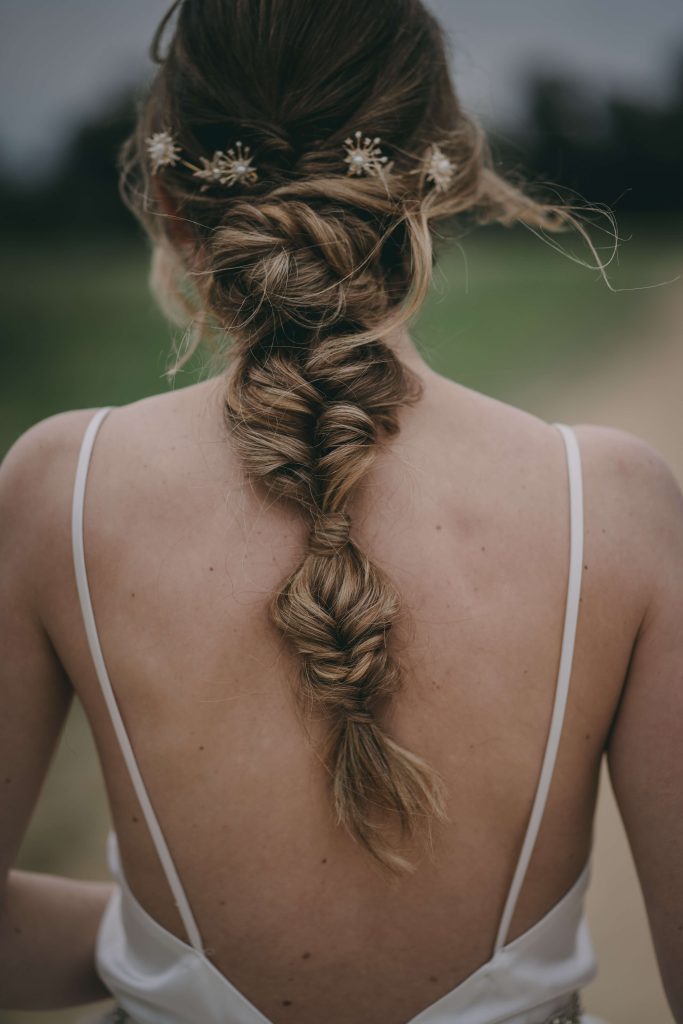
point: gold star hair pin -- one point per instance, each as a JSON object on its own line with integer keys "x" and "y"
{"x": 362, "y": 155}
{"x": 221, "y": 169}
{"x": 440, "y": 170}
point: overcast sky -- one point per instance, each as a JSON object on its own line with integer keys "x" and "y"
{"x": 62, "y": 59}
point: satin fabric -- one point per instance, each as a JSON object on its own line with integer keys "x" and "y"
{"x": 158, "y": 979}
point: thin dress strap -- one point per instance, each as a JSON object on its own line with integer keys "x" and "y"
{"x": 107, "y": 691}
{"x": 564, "y": 673}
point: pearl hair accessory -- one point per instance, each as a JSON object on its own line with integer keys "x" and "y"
{"x": 364, "y": 157}
{"x": 163, "y": 151}
{"x": 362, "y": 154}
{"x": 221, "y": 169}
{"x": 440, "y": 170}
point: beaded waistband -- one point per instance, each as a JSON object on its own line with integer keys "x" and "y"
{"x": 569, "y": 1014}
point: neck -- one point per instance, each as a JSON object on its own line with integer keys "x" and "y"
{"x": 407, "y": 351}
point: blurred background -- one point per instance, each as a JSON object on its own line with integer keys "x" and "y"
{"x": 587, "y": 97}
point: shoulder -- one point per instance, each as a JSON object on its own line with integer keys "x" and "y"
{"x": 634, "y": 472}
{"x": 39, "y": 468}
{"x": 37, "y": 464}
{"x": 633, "y": 503}
{"x": 633, "y": 493}
{"x": 36, "y": 486}
{"x": 646, "y": 732}
{"x": 624, "y": 455}
{"x": 37, "y": 474}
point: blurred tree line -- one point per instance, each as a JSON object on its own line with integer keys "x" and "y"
{"x": 616, "y": 150}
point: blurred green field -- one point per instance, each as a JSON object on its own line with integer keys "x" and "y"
{"x": 80, "y": 330}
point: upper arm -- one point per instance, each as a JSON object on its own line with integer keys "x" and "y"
{"x": 35, "y": 694}
{"x": 645, "y": 747}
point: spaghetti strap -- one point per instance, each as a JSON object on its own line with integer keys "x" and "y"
{"x": 573, "y": 457}
{"x": 105, "y": 684}
{"x": 564, "y": 672}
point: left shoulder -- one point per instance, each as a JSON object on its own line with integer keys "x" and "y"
{"x": 36, "y": 487}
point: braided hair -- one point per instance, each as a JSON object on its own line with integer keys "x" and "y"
{"x": 308, "y": 271}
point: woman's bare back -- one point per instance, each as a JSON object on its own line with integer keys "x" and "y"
{"x": 468, "y": 511}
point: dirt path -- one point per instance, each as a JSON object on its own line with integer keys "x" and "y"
{"x": 642, "y": 392}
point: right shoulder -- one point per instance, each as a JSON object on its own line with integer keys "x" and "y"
{"x": 634, "y": 501}
{"x": 646, "y": 734}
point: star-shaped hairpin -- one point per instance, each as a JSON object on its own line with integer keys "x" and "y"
{"x": 364, "y": 156}
{"x": 163, "y": 150}
{"x": 226, "y": 170}
{"x": 221, "y": 169}
{"x": 440, "y": 169}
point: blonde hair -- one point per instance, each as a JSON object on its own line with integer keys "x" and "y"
{"x": 308, "y": 272}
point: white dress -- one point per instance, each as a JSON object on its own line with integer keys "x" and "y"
{"x": 157, "y": 978}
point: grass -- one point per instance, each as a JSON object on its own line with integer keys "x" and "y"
{"x": 80, "y": 328}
